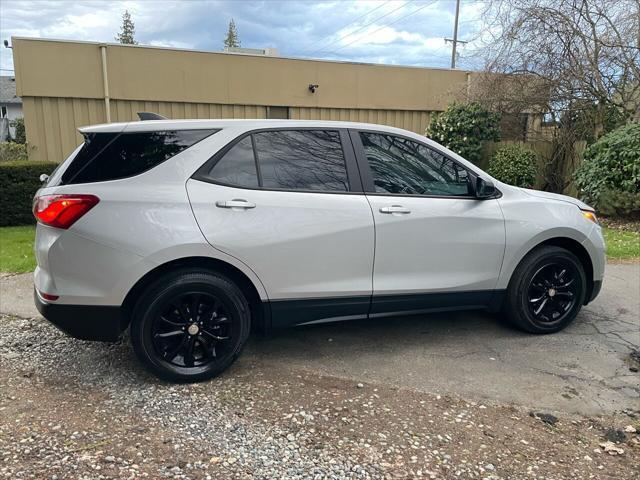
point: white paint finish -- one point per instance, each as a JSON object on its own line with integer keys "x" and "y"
{"x": 301, "y": 245}
{"x": 443, "y": 244}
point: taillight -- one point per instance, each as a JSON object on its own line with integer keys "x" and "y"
{"x": 62, "y": 211}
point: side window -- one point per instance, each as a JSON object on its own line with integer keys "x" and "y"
{"x": 109, "y": 156}
{"x": 401, "y": 166}
{"x": 302, "y": 160}
{"x": 237, "y": 167}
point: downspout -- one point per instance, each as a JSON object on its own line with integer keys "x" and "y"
{"x": 105, "y": 82}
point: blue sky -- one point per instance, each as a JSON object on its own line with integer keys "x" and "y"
{"x": 403, "y": 32}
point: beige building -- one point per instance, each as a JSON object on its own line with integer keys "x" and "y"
{"x": 65, "y": 85}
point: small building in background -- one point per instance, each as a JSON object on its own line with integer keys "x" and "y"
{"x": 10, "y": 104}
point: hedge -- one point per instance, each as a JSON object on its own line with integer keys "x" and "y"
{"x": 18, "y": 184}
{"x": 12, "y": 152}
{"x": 514, "y": 165}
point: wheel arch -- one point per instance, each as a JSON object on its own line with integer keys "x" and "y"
{"x": 577, "y": 249}
{"x": 259, "y": 314}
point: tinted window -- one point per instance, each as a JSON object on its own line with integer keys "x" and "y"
{"x": 402, "y": 166}
{"x": 109, "y": 156}
{"x": 236, "y": 167}
{"x": 301, "y": 160}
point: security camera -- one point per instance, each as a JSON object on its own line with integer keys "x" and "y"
{"x": 312, "y": 87}
{"x": 6, "y": 43}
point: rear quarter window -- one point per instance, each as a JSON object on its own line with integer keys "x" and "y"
{"x": 111, "y": 156}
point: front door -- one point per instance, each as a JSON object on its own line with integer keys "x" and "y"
{"x": 437, "y": 246}
{"x": 289, "y": 204}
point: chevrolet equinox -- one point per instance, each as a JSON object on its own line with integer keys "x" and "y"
{"x": 190, "y": 233}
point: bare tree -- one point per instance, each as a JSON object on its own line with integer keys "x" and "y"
{"x": 576, "y": 61}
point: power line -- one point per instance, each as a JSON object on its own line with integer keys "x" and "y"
{"x": 361, "y": 28}
{"x": 308, "y": 47}
{"x": 386, "y": 25}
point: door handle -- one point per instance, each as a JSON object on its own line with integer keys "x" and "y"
{"x": 235, "y": 203}
{"x": 399, "y": 209}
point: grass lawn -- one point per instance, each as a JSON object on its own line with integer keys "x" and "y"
{"x": 622, "y": 244}
{"x": 16, "y": 247}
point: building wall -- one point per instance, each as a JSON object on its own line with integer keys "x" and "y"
{"x": 62, "y": 87}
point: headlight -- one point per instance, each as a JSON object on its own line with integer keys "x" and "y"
{"x": 590, "y": 215}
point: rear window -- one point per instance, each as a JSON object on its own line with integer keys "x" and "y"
{"x": 111, "y": 155}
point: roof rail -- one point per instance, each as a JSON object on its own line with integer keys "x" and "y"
{"x": 150, "y": 116}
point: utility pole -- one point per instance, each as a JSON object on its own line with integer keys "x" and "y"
{"x": 455, "y": 40}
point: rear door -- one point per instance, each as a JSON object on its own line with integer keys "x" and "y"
{"x": 289, "y": 204}
{"x": 437, "y": 246}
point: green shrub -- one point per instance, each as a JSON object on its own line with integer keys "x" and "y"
{"x": 10, "y": 151}
{"x": 514, "y": 165}
{"x": 609, "y": 177}
{"x": 18, "y": 183}
{"x": 464, "y": 128}
{"x": 614, "y": 203}
{"x": 21, "y": 135}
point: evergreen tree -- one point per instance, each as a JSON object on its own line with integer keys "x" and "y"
{"x": 127, "y": 30}
{"x": 232, "y": 39}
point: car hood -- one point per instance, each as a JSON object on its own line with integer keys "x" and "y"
{"x": 556, "y": 196}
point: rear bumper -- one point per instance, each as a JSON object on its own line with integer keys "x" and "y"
{"x": 86, "y": 322}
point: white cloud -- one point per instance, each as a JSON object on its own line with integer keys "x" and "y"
{"x": 331, "y": 30}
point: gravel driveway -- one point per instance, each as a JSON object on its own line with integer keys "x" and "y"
{"x": 435, "y": 397}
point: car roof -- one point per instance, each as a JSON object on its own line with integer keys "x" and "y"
{"x": 248, "y": 124}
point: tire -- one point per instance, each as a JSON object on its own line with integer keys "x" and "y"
{"x": 178, "y": 346}
{"x": 542, "y": 299}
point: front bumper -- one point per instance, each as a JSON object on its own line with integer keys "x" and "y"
{"x": 86, "y": 322}
{"x": 595, "y": 290}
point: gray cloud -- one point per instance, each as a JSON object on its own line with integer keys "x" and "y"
{"x": 318, "y": 29}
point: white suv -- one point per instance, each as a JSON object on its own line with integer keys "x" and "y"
{"x": 192, "y": 232}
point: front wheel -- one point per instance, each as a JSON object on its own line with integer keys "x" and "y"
{"x": 546, "y": 291}
{"x": 190, "y": 326}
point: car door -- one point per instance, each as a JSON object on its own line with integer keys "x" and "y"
{"x": 437, "y": 246}
{"x": 289, "y": 204}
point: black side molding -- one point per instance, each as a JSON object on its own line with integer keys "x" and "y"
{"x": 289, "y": 312}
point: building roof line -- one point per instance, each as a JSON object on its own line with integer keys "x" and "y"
{"x": 300, "y": 59}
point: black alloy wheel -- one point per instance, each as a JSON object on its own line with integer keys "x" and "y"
{"x": 192, "y": 330}
{"x": 553, "y": 292}
{"x": 546, "y": 290}
{"x": 190, "y": 325}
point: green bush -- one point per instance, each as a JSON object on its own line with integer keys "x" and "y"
{"x": 609, "y": 177}
{"x": 21, "y": 135}
{"x": 514, "y": 165}
{"x": 464, "y": 128}
{"x": 10, "y": 151}
{"x": 18, "y": 183}
{"x": 614, "y": 203}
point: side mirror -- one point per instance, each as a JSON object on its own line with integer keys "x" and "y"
{"x": 44, "y": 178}
{"x": 484, "y": 188}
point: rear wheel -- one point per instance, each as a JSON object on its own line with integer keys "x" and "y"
{"x": 546, "y": 291}
{"x": 190, "y": 326}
